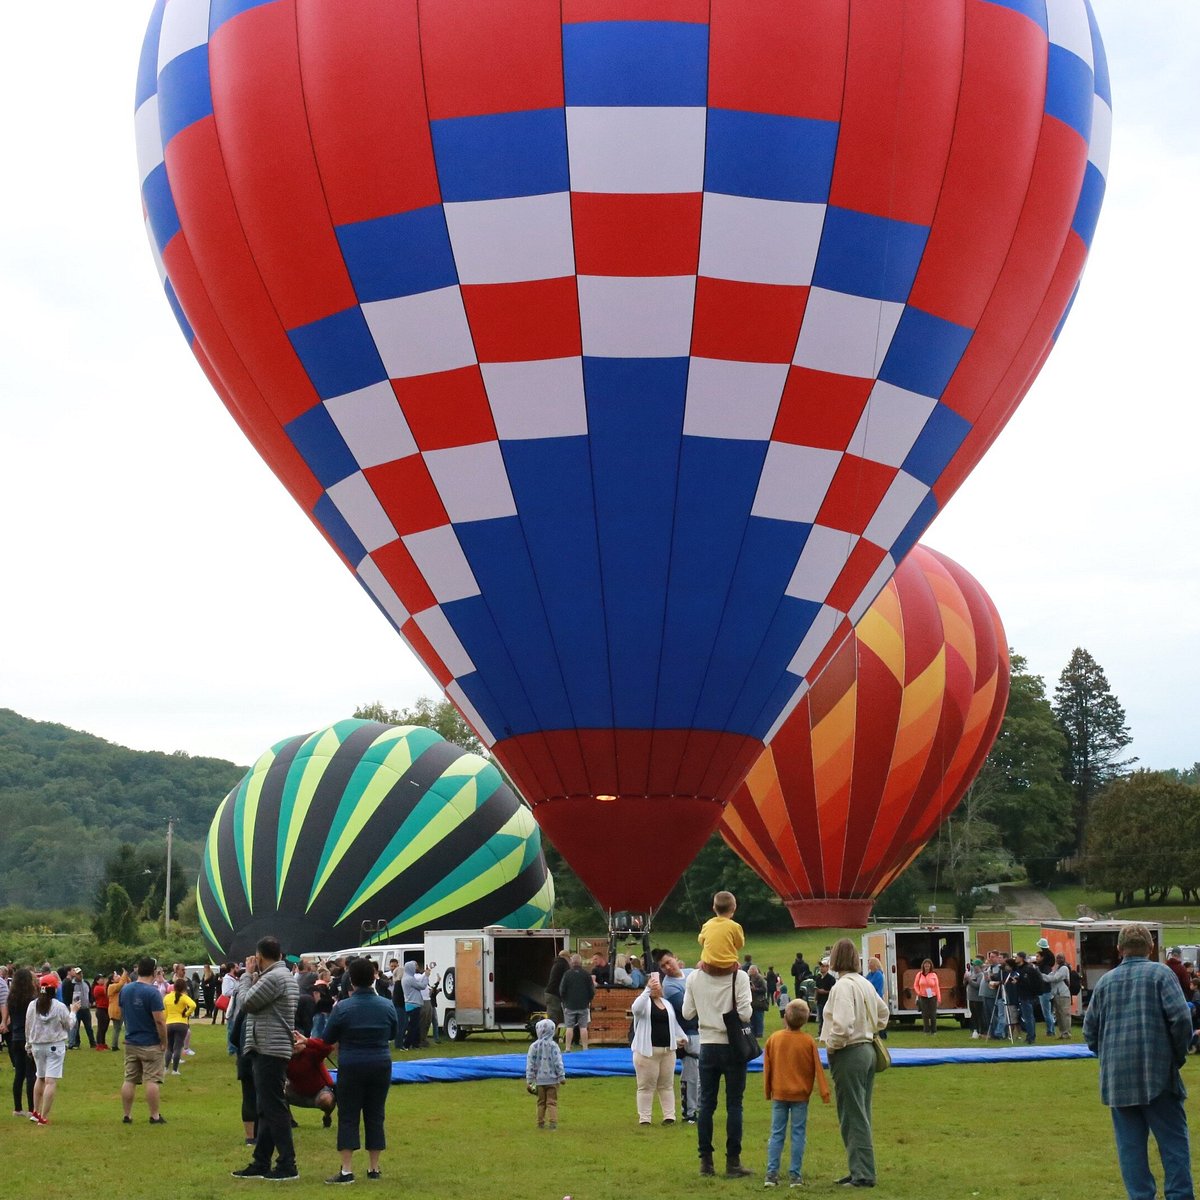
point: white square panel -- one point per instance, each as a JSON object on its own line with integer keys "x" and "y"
{"x": 895, "y": 510}
{"x": 355, "y": 500}
{"x": 637, "y": 318}
{"x": 1100, "y": 142}
{"x": 760, "y": 241}
{"x": 890, "y": 424}
{"x": 421, "y": 334}
{"x": 875, "y": 585}
{"x": 846, "y": 335}
{"x": 794, "y": 481}
{"x": 1069, "y": 28}
{"x": 372, "y": 425}
{"x": 375, "y": 582}
{"x": 789, "y": 708}
{"x": 636, "y": 150}
{"x": 736, "y": 400}
{"x": 468, "y": 710}
{"x": 441, "y": 560}
{"x": 148, "y": 136}
{"x": 472, "y": 482}
{"x": 540, "y": 399}
{"x": 434, "y": 625}
{"x": 512, "y": 241}
{"x": 824, "y": 626}
{"x": 184, "y": 27}
{"x": 821, "y": 561}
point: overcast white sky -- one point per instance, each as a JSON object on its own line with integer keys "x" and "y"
{"x": 161, "y": 589}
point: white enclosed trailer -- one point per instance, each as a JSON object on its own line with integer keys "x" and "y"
{"x": 902, "y": 949}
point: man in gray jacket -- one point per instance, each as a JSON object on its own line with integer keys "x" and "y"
{"x": 267, "y": 995}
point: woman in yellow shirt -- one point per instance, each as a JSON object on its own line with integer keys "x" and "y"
{"x": 178, "y": 1006}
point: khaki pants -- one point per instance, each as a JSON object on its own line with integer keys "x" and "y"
{"x": 853, "y": 1071}
{"x": 655, "y": 1077}
{"x": 1062, "y": 1017}
{"x": 547, "y": 1105}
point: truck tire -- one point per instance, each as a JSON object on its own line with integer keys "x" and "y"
{"x": 448, "y": 983}
{"x": 453, "y": 1030}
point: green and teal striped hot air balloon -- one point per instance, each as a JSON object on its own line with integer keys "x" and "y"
{"x": 365, "y": 825}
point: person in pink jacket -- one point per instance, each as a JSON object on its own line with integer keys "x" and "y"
{"x": 928, "y": 989}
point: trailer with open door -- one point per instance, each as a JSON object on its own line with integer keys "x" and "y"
{"x": 1090, "y": 947}
{"x": 493, "y": 979}
{"x": 901, "y": 950}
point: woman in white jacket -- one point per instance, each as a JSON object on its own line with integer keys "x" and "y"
{"x": 853, "y": 1014}
{"x": 656, "y": 1035}
{"x": 47, "y": 1027}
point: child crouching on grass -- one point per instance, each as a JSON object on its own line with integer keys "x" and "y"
{"x": 545, "y": 1074}
{"x": 791, "y": 1065}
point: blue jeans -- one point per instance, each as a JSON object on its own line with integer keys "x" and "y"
{"x": 783, "y": 1112}
{"x": 1166, "y": 1118}
{"x": 1026, "y": 1007}
{"x": 757, "y": 1020}
{"x": 718, "y": 1062}
{"x": 1047, "y": 1003}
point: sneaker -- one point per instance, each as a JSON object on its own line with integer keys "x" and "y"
{"x": 552, "y": 1126}
{"x": 126, "y": 1120}
{"x": 159, "y": 1120}
{"x": 281, "y": 1175}
{"x": 176, "y": 1072}
{"x": 376, "y": 1174}
{"x": 20, "y": 1113}
{"x": 341, "y": 1177}
{"x": 35, "y": 1116}
{"x": 795, "y": 1181}
{"x": 974, "y": 1036}
{"x": 668, "y": 1120}
{"x": 252, "y": 1141}
{"x": 190, "y": 1053}
{"x": 845, "y": 1181}
{"x": 38, "y": 1119}
{"x": 253, "y": 1171}
{"x": 772, "y": 1180}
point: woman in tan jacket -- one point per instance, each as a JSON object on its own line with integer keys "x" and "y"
{"x": 853, "y": 1014}
{"x": 118, "y": 981}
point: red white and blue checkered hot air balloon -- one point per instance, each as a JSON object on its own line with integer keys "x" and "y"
{"x": 622, "y": 348}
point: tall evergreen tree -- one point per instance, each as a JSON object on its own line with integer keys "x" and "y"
{"x": 1094, "y": 723}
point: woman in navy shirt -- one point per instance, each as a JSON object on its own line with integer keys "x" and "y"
{"x": 363, "y": 1026}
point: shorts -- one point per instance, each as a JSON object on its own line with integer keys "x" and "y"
{"x": 144, "y": 1064}
{"x": 577, "y": 1018}
{"x": 48, "y": 1059}
{"x": 296, "y": 1100}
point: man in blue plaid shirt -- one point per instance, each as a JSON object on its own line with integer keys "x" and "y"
{"x": 1139, "y": 1024}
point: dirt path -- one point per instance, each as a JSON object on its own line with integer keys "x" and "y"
{"x": 1027, "y": 904}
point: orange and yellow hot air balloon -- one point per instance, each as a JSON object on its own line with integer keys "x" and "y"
{"x": 882, "y": 748}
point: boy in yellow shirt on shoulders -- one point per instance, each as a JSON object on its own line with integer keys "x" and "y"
{"x": 721, "y": 937}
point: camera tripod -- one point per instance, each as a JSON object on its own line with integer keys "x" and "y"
{"x": 1012, "y": 1013}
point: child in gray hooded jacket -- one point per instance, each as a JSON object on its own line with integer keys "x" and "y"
{"x": 545, "y": 1074}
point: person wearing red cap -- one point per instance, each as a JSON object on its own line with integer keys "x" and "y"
{"x": 47, "y": 1027}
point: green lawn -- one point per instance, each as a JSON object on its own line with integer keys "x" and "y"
{"x": 1013, "y": 1131}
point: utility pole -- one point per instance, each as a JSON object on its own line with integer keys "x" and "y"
{"x": 167, "y": 906}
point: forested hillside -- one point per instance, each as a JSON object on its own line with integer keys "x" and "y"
{"x": 69, "y": 799}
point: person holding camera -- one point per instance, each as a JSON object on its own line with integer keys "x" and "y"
{"x": 928, "y": 989}
{"x": 656, "y": 1037}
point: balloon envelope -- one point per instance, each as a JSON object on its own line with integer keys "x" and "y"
{"x": 880, "y": 750}
{"x": 368, "y": 822}
{"x": 622, "y": 347}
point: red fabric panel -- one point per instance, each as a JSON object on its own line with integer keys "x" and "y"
{"x": 747, "y": 322}
{"x": 996, "y": 131}
{"x": 422, "y": 648}
{"x": 779, "y": 56}
{"x": 268, "y": 158}
{"x": 863, "y": 562}
{"x": 483, "y": 57}
{"x": 231, "y": 281}
{"x": 520, "y": 322}
{"x": 858, "y": 487}
{"x": 448, "y": 408}
{"x": 904, "y": 64}
{"x": 694, "y": 12}
{"x": 406, "y": 491}
{"x": 369, "y": 125}
{"x": 398, "y": 567}
{"x": 820, "y": 409}
{"x": 636, "y": 235}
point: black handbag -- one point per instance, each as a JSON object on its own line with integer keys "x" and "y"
{"x": 742, "y": 1041}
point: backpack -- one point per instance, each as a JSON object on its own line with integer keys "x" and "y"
{"x": 1074, "y": 982}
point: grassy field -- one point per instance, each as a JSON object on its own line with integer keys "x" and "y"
{"x": 1014, "y": 1131}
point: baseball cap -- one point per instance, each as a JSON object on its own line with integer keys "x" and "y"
{"x": 977, "y": 961}
{"x": 49, "y": 981}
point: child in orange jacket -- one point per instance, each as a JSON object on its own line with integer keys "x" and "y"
{"x": 791, "y": 1068}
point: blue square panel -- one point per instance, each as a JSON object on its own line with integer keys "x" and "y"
{"x": 177, "y": 309}
{"x": 226, "y": 10}
{"x": 399, "y": 255}
{"x": 917, "y": 524}
{"x": 1087, "y": 212}
{"x": 340, "y": 533}
{"x": 1070, "y": 90}
{"x": 924, "y": 353}
{"x": 501, "y": 155}
{"x": 864, "y": 255}
{"x": 1099, "y": 60}
{"x": 936, "y": 445}
{"x": 635, "y": 64}
{"x": 147, "y": 78}
{"x": 160, "y": 207}
{"x": 1035, "y": 10}
{"x": 184, "y": 92}
{"x": 339, "y": 353}
{"x": 769, "y": 157}
{"x": 320, "y": 444}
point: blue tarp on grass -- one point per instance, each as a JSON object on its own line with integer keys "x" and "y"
{"x": 613, "y": 1061}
